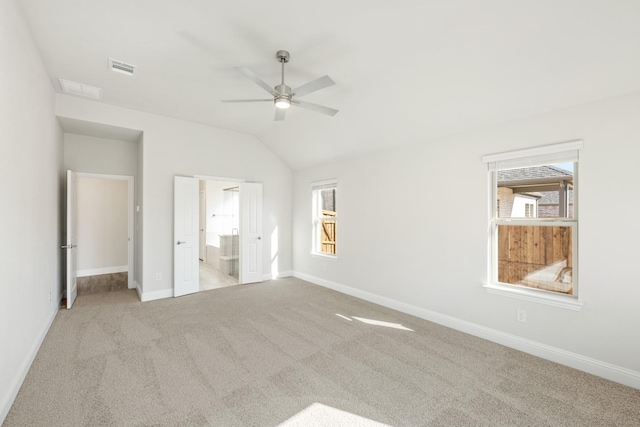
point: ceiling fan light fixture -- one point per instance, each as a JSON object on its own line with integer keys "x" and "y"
{"x": 282, "y": 102}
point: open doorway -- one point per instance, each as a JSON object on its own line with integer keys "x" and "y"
{"x": 186, "y": 212}
{"x": 104, "y": 223}
{"x": 219, "y": 253}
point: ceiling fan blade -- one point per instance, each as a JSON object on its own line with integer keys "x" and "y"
{"x": 280, "y": 113}
{"x": 315, "y": 107}
{"x": 257, "y": 80}
{"x": 246, "y": 100}
{"x": 313, "y": 85}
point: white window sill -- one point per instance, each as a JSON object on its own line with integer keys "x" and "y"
{"x": 540, "y": 297}
{"x": 324, "y": 256}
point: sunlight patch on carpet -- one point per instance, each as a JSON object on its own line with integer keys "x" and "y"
{"x": 382, "y": 323}
{"x": 376, "y": 322}
{"x": 318, "y": 414}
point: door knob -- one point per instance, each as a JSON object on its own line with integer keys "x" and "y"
{"x": 259, "y": 238}
{"x": 179, "y": 242}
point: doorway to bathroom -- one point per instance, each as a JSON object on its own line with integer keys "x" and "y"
{"x": 246, "y": 262}
{"x": 219, "y": 248}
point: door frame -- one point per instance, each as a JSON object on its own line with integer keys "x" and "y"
{"x": 230, "y": 180}
{"x": 202, "y": 226}
{"x": 131, "y": 281}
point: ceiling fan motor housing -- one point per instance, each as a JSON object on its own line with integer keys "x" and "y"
{"x": 283, "y": 90}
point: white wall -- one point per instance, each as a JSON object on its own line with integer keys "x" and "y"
{"x": 30, "y": 191}
{"x": 102, "y": 226}
{"x": 520, "y": 201}
{"x": 100, "y": 155}
{"x": 175, "y": 147}
{"x": 406, "y": 234}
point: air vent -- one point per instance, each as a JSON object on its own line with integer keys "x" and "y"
{"x": 121, "y": 67}
{"x": 80, "y": 89}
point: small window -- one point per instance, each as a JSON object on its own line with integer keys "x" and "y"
{"x": 529, "y": 210}
{"x": 325, "y": 218}
{"x": 534, "y": 221}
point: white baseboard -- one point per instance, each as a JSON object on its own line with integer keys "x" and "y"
{"x": 577, "y": 361}
{"x": 151, "y": 296}
{"x": 279, "y": 275}
{"x": 106, "y": 270}
{"x": 24, "y": 367}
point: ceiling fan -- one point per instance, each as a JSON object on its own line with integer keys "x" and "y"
{"x": 283, "y": 95}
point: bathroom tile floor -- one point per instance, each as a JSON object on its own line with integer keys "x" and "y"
{"x": 212, "y": 278}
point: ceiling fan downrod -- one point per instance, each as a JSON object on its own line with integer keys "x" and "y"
{"x": 284, "y": 91}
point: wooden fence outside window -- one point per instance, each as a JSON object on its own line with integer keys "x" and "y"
{"x": 523, "y": 250}
{"x": 328, "y": 233}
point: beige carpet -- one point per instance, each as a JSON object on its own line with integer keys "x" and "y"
{"x": 289, "y": 353}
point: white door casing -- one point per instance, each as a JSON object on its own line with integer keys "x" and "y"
{"x": 131, "y": 277}
{"x": 72, "y": 239}
{"x": 185, "y": 236}
{"x": 203, "y": 225}
{"x": 250, "y": 232}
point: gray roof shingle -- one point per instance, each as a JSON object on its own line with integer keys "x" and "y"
{"x": 535, "y": 172}
{"x": 552, "y": 197}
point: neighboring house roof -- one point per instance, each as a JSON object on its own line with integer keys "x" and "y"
{"x": 537, "y": 195}
{"x": 536, "y": 172}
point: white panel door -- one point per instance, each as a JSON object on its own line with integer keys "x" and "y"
{"x": 185, "y": 236}
{"x": 72, "y": 238}
{"x": 250, "y": 232}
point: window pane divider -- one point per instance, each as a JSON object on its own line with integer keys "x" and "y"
{"x": 561, "y": 222}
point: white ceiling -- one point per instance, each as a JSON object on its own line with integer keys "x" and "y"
{"x": 406, "y": 71}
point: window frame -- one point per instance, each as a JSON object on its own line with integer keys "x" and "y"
{"x": 316, "y": 219}
{"x": 529, "y": 209}
{"x": 539, "y": 156}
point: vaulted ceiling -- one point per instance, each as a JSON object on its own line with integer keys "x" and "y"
{"x": 406, "y": 71}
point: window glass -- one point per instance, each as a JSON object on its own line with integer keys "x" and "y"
{"x": 325, "y": 219}
{"x": 535, "y": 250}
{"x": 328, "y": 199}
{"x": 536, "y": 256}
{"x": 536, "y": 192}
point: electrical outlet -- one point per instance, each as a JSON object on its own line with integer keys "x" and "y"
{"x": 49, "y": 296}
{"x": 521, "y": 316}
{"x": 158, "y": 276}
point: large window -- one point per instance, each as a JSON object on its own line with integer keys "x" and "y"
{"x": 534, "y": 223}
{"x": 325, "y": 217}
